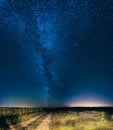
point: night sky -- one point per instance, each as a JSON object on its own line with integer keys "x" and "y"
{"x": 56, "y": 52}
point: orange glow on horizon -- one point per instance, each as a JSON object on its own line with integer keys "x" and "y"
{"x": 88, "y": 102}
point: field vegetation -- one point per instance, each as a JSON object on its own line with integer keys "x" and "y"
{"x": 12, "y": 116}
{"x": 56, "y": 118}
{"x": 84, "y": 120}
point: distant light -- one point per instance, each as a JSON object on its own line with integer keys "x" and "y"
{"x": 88, "y": 102}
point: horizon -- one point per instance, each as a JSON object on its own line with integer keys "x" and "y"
{"x": 11, "y": 106}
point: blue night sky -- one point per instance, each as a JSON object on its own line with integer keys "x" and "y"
{"x": 56, "y": 52}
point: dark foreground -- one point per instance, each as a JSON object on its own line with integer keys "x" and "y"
{"x": 64, "y": 118}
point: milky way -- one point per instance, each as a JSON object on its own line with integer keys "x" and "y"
{"x": 51, "y": 51}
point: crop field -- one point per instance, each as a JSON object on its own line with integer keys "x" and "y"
{"x": 56, "y": 119}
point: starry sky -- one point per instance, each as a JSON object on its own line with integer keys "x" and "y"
{"x": 56, "y": 52}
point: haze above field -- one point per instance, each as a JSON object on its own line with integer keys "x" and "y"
{"x": 56, "y": 53}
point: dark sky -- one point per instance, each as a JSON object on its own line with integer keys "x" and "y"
{"x": 56, "y": 52}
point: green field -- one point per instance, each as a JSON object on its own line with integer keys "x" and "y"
{"x": 86, "y": 120}
{"x": 60, "y": 118}
{"x": 12, "y": 116}
{"x": 82, "y": 121}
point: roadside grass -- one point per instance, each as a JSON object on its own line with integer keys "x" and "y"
{"x": 13, "y": 115}
{"x": 87, "y": 120}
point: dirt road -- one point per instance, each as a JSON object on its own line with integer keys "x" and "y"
{"x": 24, "y": 124}
{"x": 45, "y": 124}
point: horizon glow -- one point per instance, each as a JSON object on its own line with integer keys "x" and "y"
{"x": 88, "y": 100}
{"x": 89, "y": 104}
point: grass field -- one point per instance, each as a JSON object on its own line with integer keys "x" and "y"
{"x": 56, "y": 119}
{"x": 82, "y": 120}
{"x": 12, "y": 116}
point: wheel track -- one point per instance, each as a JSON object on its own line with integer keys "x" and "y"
{"x": 25, "y": 124}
